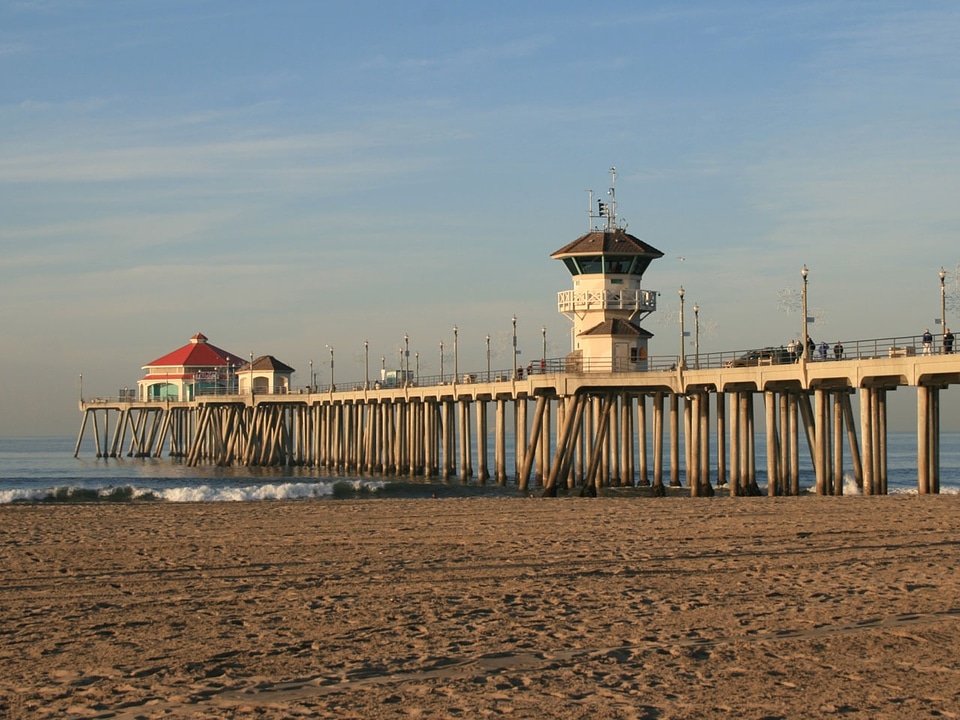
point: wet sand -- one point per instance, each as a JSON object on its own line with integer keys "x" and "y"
{"x": 464, "y": 608}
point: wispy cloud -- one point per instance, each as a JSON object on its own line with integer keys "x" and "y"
{"x": 318, "y": 155}
{"x": 8, "y": 48}
{"x": 28, "y": 246}
{"x": 517, "y": 48}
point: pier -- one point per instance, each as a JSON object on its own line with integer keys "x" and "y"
{"x": 607, "y": 413}
{"x": 572, "y": 428}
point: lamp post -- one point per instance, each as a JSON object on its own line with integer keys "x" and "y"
{"x": 803, "y": 338}
{"x": 251, "y": 374}
{"x": 696, "y": 336}
{"x": 417, "y": 377}
{"x": 488, "y": 357}
{"x": 456, "y": 366}
{"x": 543, "y": 355}
{"x": 331, "y": 367}
{"x": 406, "y": 354}
{"x": 311, "y": 376}
{"x": 366, "y": 364}
{"x": 514, "y": 361}
{"x": 943, "y": 302}
{"x": 683, "y": 351}
{"x": 441, "y": 362}
{"x": 81, "y": 387}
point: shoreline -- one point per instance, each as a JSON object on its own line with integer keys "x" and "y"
{"x": 567, "y": 608}
{"x": 31, "y": 471}
{"x": 367, "y": 488}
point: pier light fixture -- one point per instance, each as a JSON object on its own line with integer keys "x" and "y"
{"x": 331, "y": 367}
{"x": 543, "y": 355}
{"x": 696, "y": 336}
{"x": 683, "y": 351}
{"x": 514, "y": 360}
{"x": 311, "y": 376}
{"x": 488, "y": 357}
{"x": 943, "y": 302}
{"x": 406, "y": 354}
{"x": 417, "y": 376}
{"x": 441, "y": 362}
{"x": 456, "y": 366}
{"x": 251, "y": 374}
{"x": 803, "y": 296}
{"x": 81, "y": 387}
{"x": 366, "y": 364}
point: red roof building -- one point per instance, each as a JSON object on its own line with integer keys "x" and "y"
{"x": 197, "y": 368}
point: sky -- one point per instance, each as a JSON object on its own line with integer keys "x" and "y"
{"x": 291, "y": 176}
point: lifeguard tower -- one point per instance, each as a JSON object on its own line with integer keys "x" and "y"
{"x": 607, "y": 302}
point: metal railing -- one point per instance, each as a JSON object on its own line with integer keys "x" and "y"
{"x": 888, "y": 347}
{"x": 896, "y": 346}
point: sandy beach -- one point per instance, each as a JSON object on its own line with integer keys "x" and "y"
{"x": 462, "y": 608}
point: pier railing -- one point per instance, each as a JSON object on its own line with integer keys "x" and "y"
{"x": 888, "y": 347}
{"x": 897, "y": 346}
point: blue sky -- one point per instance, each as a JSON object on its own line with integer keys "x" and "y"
{"x": 289, "y": 175}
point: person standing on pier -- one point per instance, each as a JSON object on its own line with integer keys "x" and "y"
{"x": 927, "y": 342}
{"x": 948, "y": 342}
{"x": 838, "y": 351}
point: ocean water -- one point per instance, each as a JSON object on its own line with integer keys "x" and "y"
{"x": 40, "y": 469}
{"x": 37, "y": 469}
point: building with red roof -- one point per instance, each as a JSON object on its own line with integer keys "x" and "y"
{"x": 197, "y": 368}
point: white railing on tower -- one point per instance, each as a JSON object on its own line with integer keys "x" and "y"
{"x": 634, "y": 300}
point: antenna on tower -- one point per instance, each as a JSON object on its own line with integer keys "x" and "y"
{"x": 612, "y": 207}
{"x": 608, "y": 209}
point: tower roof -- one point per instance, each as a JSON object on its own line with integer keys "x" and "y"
{"x": 616, "y": 241}
{"x": 618, "y": 327}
